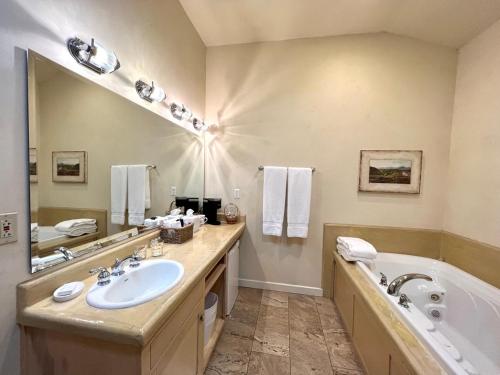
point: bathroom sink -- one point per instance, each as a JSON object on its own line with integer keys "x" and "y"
{"x": 137, "y": 285}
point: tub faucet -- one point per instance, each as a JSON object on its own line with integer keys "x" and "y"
{"x": 398, "y": 282}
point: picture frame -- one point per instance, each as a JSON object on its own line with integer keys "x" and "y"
{"x": 69, "y": 166}
{"x": 33, "y": 165}
{"x": 390, "y": 171}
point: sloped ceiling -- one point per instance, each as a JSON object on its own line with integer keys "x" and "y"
{"x": 446, "y": 22}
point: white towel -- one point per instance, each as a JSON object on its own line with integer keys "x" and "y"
{"x": 357, "y": 247}
{"x": 67, "y": 225}
{"x": 80, "y": 231}
{"x": 342, "y": 251}
{"x": 273, "y": 210}
{"x": 136, "y": 194}
{"x": 299, "y": 201}
{"x": 118, "y": 193}
{"x": 147, "y": 202}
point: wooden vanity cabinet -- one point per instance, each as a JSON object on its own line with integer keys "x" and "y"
{"x": 178, "y": 345}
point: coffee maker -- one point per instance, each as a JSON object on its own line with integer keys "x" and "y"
{"x": 210, "y": 207}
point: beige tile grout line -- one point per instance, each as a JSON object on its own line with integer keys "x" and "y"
{"x": 254, "y": 329}
{"x": 324, "y": 336}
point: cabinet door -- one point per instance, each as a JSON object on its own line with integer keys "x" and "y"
{"x": 183, "y": 356}
{"x": 343, "y": 296}
{"x": 371, "y": 340}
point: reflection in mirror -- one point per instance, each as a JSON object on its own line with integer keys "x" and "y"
{"x": 99, "y": 165}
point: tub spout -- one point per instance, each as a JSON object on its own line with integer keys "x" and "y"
{"x": 398, "y": 282}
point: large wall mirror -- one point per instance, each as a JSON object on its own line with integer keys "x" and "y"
{"x": 80, "y": 134}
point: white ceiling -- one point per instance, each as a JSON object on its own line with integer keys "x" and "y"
{"x": 447, "y": 22}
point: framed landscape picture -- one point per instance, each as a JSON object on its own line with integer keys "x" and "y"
{"x": 33, "y": 165}
{"x": 390, "y": 171}
{"x": 69, "y": 166}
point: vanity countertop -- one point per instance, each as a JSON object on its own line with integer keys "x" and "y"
{"x": 135, "y": 325}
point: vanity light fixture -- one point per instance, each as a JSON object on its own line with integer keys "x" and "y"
{"x": 180, "y": 112}
{"x": 199, "y": 124}
{"x": 151, "y": 92}
{"x": 93, "y": 56}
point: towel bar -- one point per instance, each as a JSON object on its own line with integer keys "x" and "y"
{"x": 261, "y": 168}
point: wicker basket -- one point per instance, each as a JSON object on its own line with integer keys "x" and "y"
{"x": 177, "y": 235}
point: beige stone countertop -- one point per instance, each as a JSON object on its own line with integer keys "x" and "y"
{"x": 134, "y": 325}
{"x": 419, "y": 357}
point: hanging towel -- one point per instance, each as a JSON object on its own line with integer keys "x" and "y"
{"x": 136, "y": 194}
{"x": 147, "y": 203}
{"x": 118, "y": 193}
{"x": 299, "y": 201}
{"x": 273, "y": 209}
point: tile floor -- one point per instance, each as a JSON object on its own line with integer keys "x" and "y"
{"x": 276, "y": 333}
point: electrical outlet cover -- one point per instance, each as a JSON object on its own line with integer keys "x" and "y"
{"x": 8, "y": 228}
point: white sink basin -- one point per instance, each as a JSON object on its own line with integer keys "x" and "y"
{"x": 137, "y": 285}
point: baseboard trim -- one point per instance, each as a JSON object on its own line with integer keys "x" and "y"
{"x": 281, "y": 287}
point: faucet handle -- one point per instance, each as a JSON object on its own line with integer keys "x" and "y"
{"x": 68, "y": 255}
{"x": 103, "y": 275}
{"x": 404, "y": 301}
{"x": 383, "y": 279}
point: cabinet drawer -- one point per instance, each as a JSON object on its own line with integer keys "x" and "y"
{"x": 172, "y": 327}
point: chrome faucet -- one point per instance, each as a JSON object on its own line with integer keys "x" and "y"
{"x": 398, "y": 282}
{"x": 117, "y": 267}
{"x": 67, "y": 254}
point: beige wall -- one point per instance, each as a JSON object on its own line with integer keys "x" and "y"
{"x": 318, "y": 102}
{"x": 78, "y": 115}
{"x": 473, "y": 205}
{"x": 152, "y": 38}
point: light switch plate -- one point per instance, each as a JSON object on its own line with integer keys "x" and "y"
{"x": 236, "y": 193}
{"x": 173, "y": 191}
{"x": 8, "y": 228}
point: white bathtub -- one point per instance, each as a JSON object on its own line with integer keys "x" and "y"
{"x": 465, "y": 338}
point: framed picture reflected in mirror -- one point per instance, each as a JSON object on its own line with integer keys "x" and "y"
{"x": 69, "y": 166}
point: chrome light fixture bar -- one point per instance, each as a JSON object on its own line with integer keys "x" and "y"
{"x": 180, "y": 112}
{"x": 198, "y": 124}
{"x": 151, "y": 92}
{"x": 93, "y": 56}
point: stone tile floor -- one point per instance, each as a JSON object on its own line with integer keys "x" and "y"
{"x": 276, "y": 333}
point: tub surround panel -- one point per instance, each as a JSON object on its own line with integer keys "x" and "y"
{"x": 476, "y": 258}
{"x": 421, "y": 242}
{"x": 134, "y": 326}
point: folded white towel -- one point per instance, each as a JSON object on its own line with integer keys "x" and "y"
{"x": 342, "y": 251}
{"x": 136, "y": 193}
{"x": 299, "y": 201}
{"x": 77, "y": 232}
{"x": 273, "y": 209}
{"x": 118, "y": 193}
{"x": 357, "y": 247}
{"x": 67, "y": 225}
